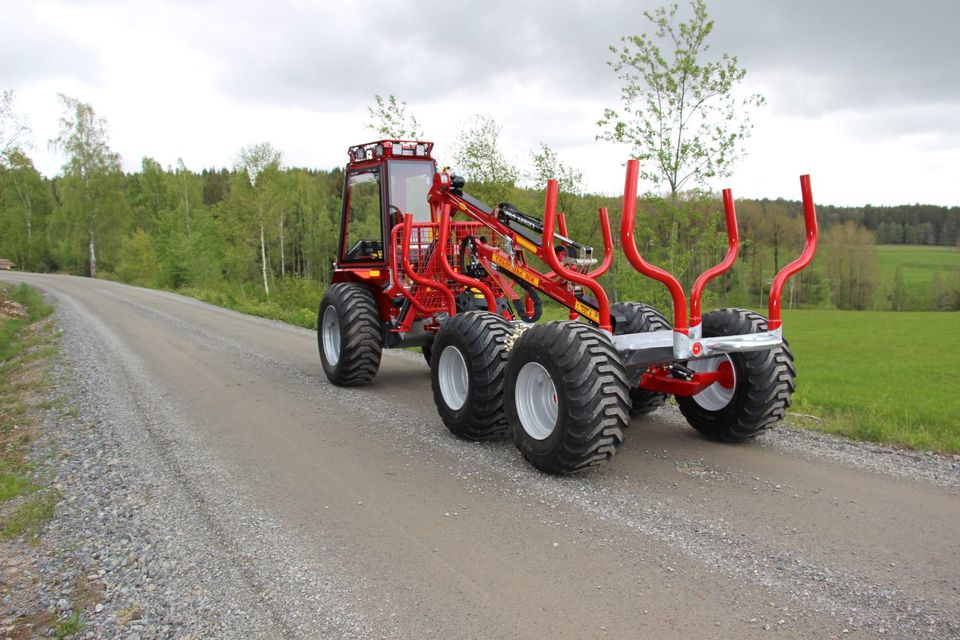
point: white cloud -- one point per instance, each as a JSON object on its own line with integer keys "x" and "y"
{"x": 863, "y": 95}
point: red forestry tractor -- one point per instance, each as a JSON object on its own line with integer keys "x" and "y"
{"x": 467, "y": 290}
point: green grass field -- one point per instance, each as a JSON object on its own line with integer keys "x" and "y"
{"x": 884, "y": 376}
{"x": 918, "y": 264}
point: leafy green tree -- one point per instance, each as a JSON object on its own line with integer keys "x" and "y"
{"x": 187, "y": 234}
{"x": 216, "y": 185}
{"x": 852, "y": 265}
{"x": 680, "y": 117}
{"x": 25, "y": 206}
{"x": 945, "y": 291}
{"x": 137, "y": 261}
{"x": 479, "y": 158}
{"x": 149, "y": 194}
{"x": 23, "y": 203}
{"x": 311, "y": 222}
{"x": 546, "y": 165}
{"x": 389, "y": 119}
{"x": 679, "y": 111}
{"x": 898, "y": 296}
{"x": 260, "y": 162}
{"x": 14, "y": 129}
{"x": 92, "y": 191}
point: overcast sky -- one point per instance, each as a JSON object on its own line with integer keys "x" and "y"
{"x": 862, "y": 94}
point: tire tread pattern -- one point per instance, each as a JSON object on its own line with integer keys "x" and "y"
{"x": 765, "y": 383}
{"x": 361, "y": 338}
{"x": 483, "y": 337}
{"x": 594, "y": 386}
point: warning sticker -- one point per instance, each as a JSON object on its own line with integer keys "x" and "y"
{"x": 587, "y": 312}
{"x": 516, "y": 269}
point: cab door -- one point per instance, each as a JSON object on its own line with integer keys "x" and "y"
{"x": 361, "y": 235}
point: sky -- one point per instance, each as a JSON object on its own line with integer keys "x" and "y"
{"x": 863, "y": 95}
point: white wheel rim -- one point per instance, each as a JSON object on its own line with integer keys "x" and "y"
{"x": 330, "y": 331}
{"x": 536, "y": 399}
{"x": 453, "y": 377}
{"x": 716, "y": 396}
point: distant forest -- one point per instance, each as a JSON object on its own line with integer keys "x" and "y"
{"x": 264, "y": 232}
{"x": 901, "y": 224}
{"x": 175, "y": 228}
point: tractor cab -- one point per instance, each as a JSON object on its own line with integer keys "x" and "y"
{"x": 383, "y": 181}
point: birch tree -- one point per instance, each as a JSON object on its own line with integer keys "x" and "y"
{"x": 93, "y": 183}
{"x": 14, "y": 129}
{"x": 255, "y": 160}
{"x": 25, "y": 205}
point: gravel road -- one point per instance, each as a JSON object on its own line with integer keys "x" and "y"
{"x": 215, "y": 485}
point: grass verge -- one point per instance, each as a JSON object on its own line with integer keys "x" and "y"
{"x": 68, "y": 626}
{"x": 27, "y": 338}
{"x": 30, "y": 516}
{"x": 294, "y": 301}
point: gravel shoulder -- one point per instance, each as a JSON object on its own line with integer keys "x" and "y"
{"x": 214, "y": 485}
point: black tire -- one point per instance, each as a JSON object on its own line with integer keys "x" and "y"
{"x": 427, "y": 351}
{"x": 763, "y": 388}
{"x": 466, "y": 374}
{"x": 636, "y": 317}
{"x": 351, "y": 341}
{"x": 590, "y": 393}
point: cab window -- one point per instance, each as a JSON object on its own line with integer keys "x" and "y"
{"x": 363, "y": 236}
{"x": 410, "y": 182}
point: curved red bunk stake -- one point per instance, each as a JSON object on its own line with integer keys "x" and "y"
{"x": 733, "y": 245}
{"x": 550, "y": 257}
{"x": 633, "y": 255}
{"x": 607, "y": 240}
{"x": 810, "y": 248}
{"x": 607, "y": 244}
{"x": 562, "y": 224}
{"x": 448, "y": 270}
{"x": 416, "y": 277}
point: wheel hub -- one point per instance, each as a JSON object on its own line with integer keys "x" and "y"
{"x": 331, "y": 335}
{"x": 453, "y": 377}
{"x": 536, "y": 400}
{"x": 719, "y": 394}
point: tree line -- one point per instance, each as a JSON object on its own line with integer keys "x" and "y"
{"x": 269, "y": 231}
{"x": 921, "y": 224}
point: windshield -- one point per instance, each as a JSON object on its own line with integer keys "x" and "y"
{"x": 410, "y": 182}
